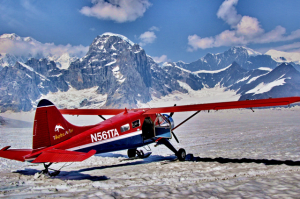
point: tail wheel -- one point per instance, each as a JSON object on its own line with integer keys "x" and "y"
{"x": 131, "y": 153}
{"x": 181, "y": 154}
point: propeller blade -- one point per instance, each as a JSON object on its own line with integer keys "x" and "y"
{"x": 175, "y": 136}
{"x": 171, "y": 114}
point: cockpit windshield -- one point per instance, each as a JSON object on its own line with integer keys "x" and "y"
{"x": 163, "y": 120}
{"x": 163, "y": 126}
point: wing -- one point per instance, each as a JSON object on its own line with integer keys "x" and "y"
{"x": 56, "y": 155}
{"x": 227, "y": 105}
{"x": 196, "y": 107}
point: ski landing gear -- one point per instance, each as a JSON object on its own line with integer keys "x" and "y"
{"x": 47, "y": 172}
{"x": 136, "y": 154}
{"x": 181, "y": 154}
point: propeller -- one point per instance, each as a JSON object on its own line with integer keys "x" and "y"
{"x": 171, "y": 114}
{"x": 175, "y": 136}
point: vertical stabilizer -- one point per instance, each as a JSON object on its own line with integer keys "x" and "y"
{"x": 50, "y": 127}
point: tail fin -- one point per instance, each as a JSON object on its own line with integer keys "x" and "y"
{"x": 50, "y": 127}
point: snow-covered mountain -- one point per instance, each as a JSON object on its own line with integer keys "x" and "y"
{"x": 117, "y": 73}
{"x": 283, "y": 81}
{"x": 259, "y": 83}
{"x": 114, "y": 68}
{"x": 14, "y": 48}
{"x": 15, "y": 38}
{"x": 245, "y": 57}
{"x": 280, "y": 56}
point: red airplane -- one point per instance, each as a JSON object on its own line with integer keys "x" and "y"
{"x": 56, "y": 140}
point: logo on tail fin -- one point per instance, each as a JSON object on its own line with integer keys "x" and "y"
{"x": 57, "y": 127}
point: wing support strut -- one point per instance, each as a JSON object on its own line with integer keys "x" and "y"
{"x": 102, "y": 117}
{"x": 186, "y": 120}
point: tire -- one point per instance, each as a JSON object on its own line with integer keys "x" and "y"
{"x": 181, "y": 154}
{"x": 131, "y": 153}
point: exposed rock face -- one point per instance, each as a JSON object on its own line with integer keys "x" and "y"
{"x": 122, "y": 70}
{"x": 21, "y": 85}
{"x": 118, "y": 67}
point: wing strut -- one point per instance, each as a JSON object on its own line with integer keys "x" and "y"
{"x": 102, "y": 117}
{"x": 185, "y": 120}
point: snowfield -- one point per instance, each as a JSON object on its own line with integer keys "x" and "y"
{"x": 232, "y": 154}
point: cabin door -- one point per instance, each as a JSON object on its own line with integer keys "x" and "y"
{"x": 148, "y": 129}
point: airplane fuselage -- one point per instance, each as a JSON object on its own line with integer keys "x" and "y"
{"x": 123, "y": 131}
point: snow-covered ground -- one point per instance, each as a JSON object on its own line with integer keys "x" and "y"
{"x": 237, "y": 154}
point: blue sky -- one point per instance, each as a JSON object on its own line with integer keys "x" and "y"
{"x": 168, "y": 30}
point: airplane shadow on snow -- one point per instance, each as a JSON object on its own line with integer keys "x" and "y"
{"x": 78, "y": 175}
{"x": 65, "y": 175}
{"x": 221, "y": 160}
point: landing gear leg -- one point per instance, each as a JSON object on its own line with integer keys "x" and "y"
{"x": 180, "y": 153}
{"x": 46, "y": 170}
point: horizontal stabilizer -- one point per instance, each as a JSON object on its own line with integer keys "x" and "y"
{"x": 14, "y": 154}
{"x": 56, "y": 155}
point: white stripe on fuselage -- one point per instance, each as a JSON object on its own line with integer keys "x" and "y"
{"x": 106, "y": 141}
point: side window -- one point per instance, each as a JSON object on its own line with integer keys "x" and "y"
{"x": 125, "y": 127}
{"x": 136, "y": 123}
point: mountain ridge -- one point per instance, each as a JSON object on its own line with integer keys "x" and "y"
{"x": 116, "y": 73}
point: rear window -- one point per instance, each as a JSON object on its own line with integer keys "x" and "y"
{"x": 135, "y": 124}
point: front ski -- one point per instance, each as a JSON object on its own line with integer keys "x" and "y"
{"x": 146, "y": 155}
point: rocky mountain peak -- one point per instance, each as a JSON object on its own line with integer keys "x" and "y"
{"x": 243, "y": 50}
{"x": 110, "y": 43}
{"x": 122, "y": 37}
